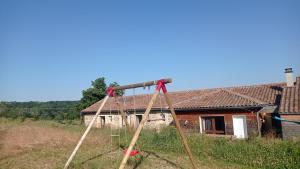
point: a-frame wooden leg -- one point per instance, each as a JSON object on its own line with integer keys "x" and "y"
{"x": 86, "y": 132}
{"x": 138, "y": 130}
{"x": 183, "y": 138}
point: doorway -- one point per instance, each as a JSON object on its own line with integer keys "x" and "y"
{"x": 138, "y": 119}
{"x": 240, "y": 126}
{"x": 102, "y": 121}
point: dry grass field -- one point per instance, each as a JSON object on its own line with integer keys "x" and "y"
{"x": 47, "y": 144}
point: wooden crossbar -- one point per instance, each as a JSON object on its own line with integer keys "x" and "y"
{"x": 143, "y": 84}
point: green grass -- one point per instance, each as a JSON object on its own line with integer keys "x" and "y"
{"x": 47, "y": 144}
{"x": 255, "y": 152}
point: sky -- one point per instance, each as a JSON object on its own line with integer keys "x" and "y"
{"x": 53, "y": 49}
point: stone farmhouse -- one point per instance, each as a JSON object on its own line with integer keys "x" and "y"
{"x": 264, "y": 110}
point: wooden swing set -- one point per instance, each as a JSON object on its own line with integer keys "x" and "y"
{"x": 160, "y": 85}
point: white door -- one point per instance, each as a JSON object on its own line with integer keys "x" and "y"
{"x": 240, "y": 126}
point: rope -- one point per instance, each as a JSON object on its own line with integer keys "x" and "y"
{"x": 149, "y": 95}
{"x": 134, "y": 110}
{"x": 149, "y": 98}
{"x": 161, "y": 109}
{"x": 119, "y": 131}
{"x": 160, "y": 103}
{"x": 111, "y": 139}
{"x": 125, "y": 110}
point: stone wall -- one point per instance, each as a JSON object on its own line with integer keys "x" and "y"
{"x": 115, "y": 121}
{"x": 156, "y": 120}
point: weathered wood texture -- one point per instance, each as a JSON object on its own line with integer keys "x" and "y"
{"x": 143, "y": 84}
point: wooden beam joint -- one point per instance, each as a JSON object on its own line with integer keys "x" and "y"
{"x": 161, "y": 85}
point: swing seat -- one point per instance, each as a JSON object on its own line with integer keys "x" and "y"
{"x": 132, "y": 153}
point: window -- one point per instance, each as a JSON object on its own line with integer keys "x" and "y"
{"x": 220, "y": 124}
{"x": 208, "y": 124}
{"x": 214, "y": 125}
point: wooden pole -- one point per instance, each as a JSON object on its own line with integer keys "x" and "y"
{"x": 138, "y": 130}
{"x": 183, "y": 138}
{"x": 85, "y": 133}
{"x": 144, "y": 84}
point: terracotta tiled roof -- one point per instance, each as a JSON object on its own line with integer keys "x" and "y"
{"x": 218, "y": 98}
{"x": 290, "y": 100}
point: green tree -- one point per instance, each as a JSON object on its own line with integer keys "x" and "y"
{"x": 95, "y": 93}
{"x": 118, "y": 92}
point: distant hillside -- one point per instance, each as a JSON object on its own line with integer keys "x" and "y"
{"x": 52, "y": 110}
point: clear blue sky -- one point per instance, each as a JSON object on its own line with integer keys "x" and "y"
{"x": 52, "y": 50}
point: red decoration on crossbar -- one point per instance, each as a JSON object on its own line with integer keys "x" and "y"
{"x": 132, "y": 153}
{"x": 161, "y": 85}
{"x": 110, "y": 92}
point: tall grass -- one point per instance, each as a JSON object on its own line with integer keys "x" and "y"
{"x": 251, "y": 153}
{"x": 254, "y": 152}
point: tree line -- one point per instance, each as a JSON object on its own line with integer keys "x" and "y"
{"x": 57, "y": 110}
{"x": 52, "y": 110}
